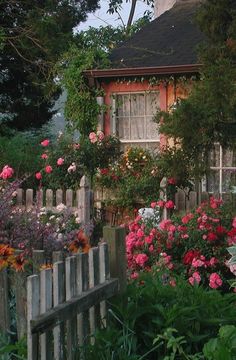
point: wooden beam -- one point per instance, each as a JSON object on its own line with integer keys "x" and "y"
{"x": 79, "y": 304}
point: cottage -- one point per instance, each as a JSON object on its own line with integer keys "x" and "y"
{"x": 151, "y": 71}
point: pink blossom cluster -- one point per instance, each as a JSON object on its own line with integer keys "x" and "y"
{"x": 169, "y": 204}
{"x": 96, "y": 137}
{"x": 48, "y": 168}
{"x": 194, "y": 244}
{"x": 6, "y": 173}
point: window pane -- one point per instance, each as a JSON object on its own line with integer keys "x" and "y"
{"x": 137, "y": 106}
{"x": 214, "y": 157}
{"x": 229, "y": 158}
{"x": 123, "y": 105}
{"x": 151, "y": 128}
{"x": 228, "y": 180}
{"x": 152, "y": 103}
{"x": 123, "y": 128}
{"x": 137, "y": 128}
{"x": 213, "y": 181}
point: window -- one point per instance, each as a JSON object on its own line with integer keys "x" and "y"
{"x": 133, "y": 119}
{"x": 223, "y": 170}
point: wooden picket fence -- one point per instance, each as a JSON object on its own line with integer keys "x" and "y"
{"x": 59, "y": 308}
{"x": 77, "y": 201}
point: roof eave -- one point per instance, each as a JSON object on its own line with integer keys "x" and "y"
{"x": 143, "y": 71}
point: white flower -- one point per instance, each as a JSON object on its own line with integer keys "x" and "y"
{"x": 61, "y": 207}
{"x": 71, "y": 168}
{"x": 52, "y": 217}
{"x": 77, "y": 220}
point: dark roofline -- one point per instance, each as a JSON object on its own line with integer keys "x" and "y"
{"x": 143, "y": 71}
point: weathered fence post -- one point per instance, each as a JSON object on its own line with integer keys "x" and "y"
{"x": 163, "y": 196}
{"x": 115, "y": 238}
{"x": 4, "y": 303}
{"x": 84, "y": 200}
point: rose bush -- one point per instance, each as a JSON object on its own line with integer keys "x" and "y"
{"x": 64, "y": 161}
{"x": 194, "y": 245}
{"x": 134, "y": 177}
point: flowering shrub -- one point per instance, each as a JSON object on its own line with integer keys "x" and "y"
{"x": 65, "y": 161}
{"x": 36, "y": 229}
{"x": 134, "y": 177}
{"x": 194, "y": 245}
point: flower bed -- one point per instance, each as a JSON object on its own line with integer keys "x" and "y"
{"x": 193, "y": 246}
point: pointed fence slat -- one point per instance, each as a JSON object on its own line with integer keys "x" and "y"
{"x": 71, "y": 324}
{"x": 58, "y": 298}
{"x": 19, "y": 197}
{"x": 69, "y": 198}
{"x": 39, "y": 198}
{"x": 46, "y": 304}
{"x": 82, "y": 286}
{"x": 49, "y": 199}
{"x": 4, "y": 303}
{"x": 33, "y": 310}
{"x": 29, "y": 198}
{"x": 104, "y": 275}
{"x": 59, "y": 197}
{"x": 94, "y": 279}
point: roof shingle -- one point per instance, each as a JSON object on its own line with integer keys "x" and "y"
{"x": 168, "y": 40}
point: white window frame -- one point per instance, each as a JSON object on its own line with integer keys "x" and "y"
{"x": 220, "y": 170}
{"x": 114, "y": 117}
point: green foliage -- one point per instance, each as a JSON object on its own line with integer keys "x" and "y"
{"x": 81, "y": 108}
{"x": 90, "y": 50}
{"x": 222, "y": 347}
{"x": 133, "y": 178}
{"x": 207, "y": 116}
{"x": 83, "y": 158}
{"x": 12, "y": 351}
{"x": 35, "y": 35}
{"x": 21, "y": 152}
{"x": 151, "y": 308}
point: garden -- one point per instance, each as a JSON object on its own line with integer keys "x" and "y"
{"x": 180, "y": 298}
{"x": 126, "y": 275}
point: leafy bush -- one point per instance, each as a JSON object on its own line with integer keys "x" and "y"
{"x": 10, "y": 350}
{"x": 64, "y": 161}
{"x": 149, "y": 308}
{"x": 22, "y": 153}
{"x": 194, "y": 245}
{"x": 222, "y": 347}
{"x": 132, "y": 178}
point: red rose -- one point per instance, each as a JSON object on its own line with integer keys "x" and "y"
{"x": 189, "y": 256}
{"x": 212, "y": 236}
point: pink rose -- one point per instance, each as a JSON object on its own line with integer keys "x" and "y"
{"x": 141, "y": 259}
{"x": 169, "y": 204}
{"x": 215, "y": 281}
{"x": 100, "y": 135}
{"x": 195, "y": 278}
{"x": 60, "y": 161}
{"x": 134, "y": 275}
{"x": 7, "y": 172}
{"x": 161, "y": 203}
{"x": 48, "y": 169}
{"x": 153, "y": 204}
{"x": 38, "y": 176}
{"x": 44, "y": 156}
{"x": 45, "y": 142}
{"x": 171, "y": 181}
{"x": 93, "y": 137}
